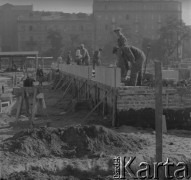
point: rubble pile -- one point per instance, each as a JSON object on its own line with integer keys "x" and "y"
{"x": 74, "y": 141}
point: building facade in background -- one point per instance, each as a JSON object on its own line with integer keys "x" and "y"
{"x": 8, "y": 25}
{"x": 138, "y": 19}
{"x": 74, "y": 29}
{"x": 22, "y": 29}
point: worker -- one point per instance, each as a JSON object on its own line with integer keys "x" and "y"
{"x": 69, "y": 58}
{"x": 134, "y": 55}
{"x": 78, "y": 57}
{"x": 40, "y": 75}
{"x": 3, "y": 89}
{"x": 85, "y": 55}
{"x": 28, "y": 82}
{"x": 96, "y": 58}
{"x": 122, "y": 64}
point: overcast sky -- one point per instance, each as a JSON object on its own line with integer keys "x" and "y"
{"x": 81, "y": 6}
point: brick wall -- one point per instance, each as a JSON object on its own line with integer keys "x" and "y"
{"x": 144, "y": 97}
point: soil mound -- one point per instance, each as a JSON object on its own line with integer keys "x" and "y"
{"x": 75, "y": 141}
{"x": 33, "y": 175}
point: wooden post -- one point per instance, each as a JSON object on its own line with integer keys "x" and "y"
{"x": 67, "y": 89}
{"x": 158, "y": 111}
{"x": 114, "y": 101}
{"x": 34, "y": 106}
{"x": 36, "y": 66}
{"x": 96, "y": 106}
{"x": 104, "y": 103}
{"x": 20, "y": 102}
{"x": 26, "y": 102}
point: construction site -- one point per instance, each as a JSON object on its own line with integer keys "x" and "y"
{"x": 76, "y": 123}
{"x": 86, "y": 101}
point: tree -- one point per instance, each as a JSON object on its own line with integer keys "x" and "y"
{"x": 56, "y": 43}
{"x": 171, "y": 36}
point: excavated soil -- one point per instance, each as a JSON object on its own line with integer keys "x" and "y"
{"x": 74, "y": 141}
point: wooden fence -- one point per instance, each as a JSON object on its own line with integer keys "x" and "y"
{"x": 110, "y": 76}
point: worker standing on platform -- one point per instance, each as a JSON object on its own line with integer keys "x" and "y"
{"x": 3, "y": 89}
{"x": 96, "y": 58}
{"x": 40, "y": 75}
{"x": 78, "y": 59}
{"x": 134, "y": 55}
{"x": 69, "y": 58}
{"x": 85, "y": 55}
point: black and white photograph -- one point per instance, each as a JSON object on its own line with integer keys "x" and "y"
{"x": 95, "y": 89}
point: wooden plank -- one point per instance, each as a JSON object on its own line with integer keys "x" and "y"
{"x": 67, "y": 89}
{"x": 58, "y": 83}
{"x": 34, "y": 106}
{"x": 158, "y": 112}
{"x": 20, "y": 101}
{"x": 96, "y": 106}
{"x": 114, "y": 100}
{"x": 26, "y": 103}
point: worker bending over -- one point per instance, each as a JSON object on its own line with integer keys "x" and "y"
{"x": 131, "y": 54}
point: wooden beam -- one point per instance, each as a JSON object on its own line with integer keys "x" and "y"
{"x": 26, "y": 103}
{"x": 34, "y": 106}
{"x": 114, "y": 106}
{"x": 20, "y": 102}
{"x": 96, "y": 106}
{"x": 158, "y": 110}
{"x": 58, "y": 83}
{"x": 67, "y": 89}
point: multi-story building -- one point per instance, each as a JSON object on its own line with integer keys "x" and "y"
{"x": 187, "y": 45}
{"x": 33, "y": 30}
{"x": 8, "y": 24}
{"x": 138, "y": 19}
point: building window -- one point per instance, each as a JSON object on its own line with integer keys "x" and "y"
{"x": 179, "y": 7}
{"x": 31, "y": 38}
{"x": 136, "y": 18}
{"x": 23, "y": 27}
{"x": 159, "y": 18}
{"x": 106, "y": 27}
{"x": 136, "y": 29}
{"x": 127, "y": 17}
{"x": 113, "y": 19}
{"x": 30, "y": 28}
{"x": 82, "y": 28}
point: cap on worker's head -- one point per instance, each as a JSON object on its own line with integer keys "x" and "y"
{"x": 115, "y": 49}
{"x": 118, "y": 29}
{"x": 82, "y": 45}
{"x": 100, "y": 49}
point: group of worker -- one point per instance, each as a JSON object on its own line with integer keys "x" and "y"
{"x": 130, "y": 59}
{"x": 82, "y": 57}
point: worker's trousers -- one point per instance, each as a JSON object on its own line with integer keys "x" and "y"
{"x": 137, "y": 73}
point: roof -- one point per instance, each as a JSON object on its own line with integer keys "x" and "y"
{"x": 18, "y": 54}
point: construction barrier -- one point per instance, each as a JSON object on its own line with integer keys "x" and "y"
{"x": 110, "y": 76}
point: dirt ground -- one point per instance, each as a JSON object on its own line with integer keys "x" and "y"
{"x": 71, "y": 148}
